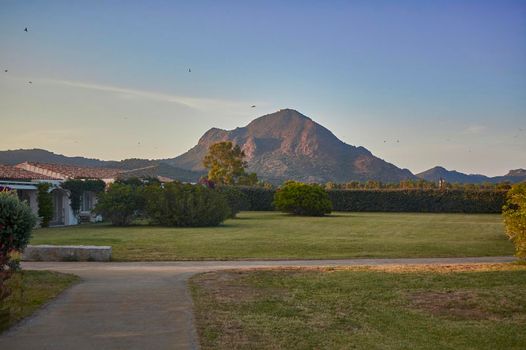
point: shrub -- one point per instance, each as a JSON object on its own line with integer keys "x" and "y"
{"x": 185, "y": 205}
{"x": 45, "y": 204}
{"x": 16, "y": 223}
{"x": 302, "y": 199}
{"x": 138, "y": 182}
{"x": 236, "y": 199}
{"x": 120, "y": 204}
{"x": 514, "y": 212}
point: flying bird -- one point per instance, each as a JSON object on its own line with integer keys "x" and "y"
{"x": 5, "y": 71}
{"x": 385, "y": 141}
{"x": 253, "y": 106}
{"x": 189, "y": 70}
{"x": 397, "y": 141}
{"x": 30, "y": 82}
{"x": 25, "y": 30}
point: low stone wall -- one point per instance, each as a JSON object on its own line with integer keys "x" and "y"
{"x": 66, "y": 253}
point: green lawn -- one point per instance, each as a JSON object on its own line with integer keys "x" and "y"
{"x": 363, "y": 308}
{"x": 272, "y": 235}
{"x": 30, "y": 290}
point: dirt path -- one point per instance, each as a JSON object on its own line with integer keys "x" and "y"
{"x": 143, "y": 305}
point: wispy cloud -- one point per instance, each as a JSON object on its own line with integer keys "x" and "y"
{"x": 198, "y": 103}
{"x": 475, "y": 130}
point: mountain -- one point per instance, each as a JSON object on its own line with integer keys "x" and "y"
{"x": 287, "y": 145}
{"x": 453, "y": 176}
{"x": 143, "y": 167}
{"x": 516, "y": 173}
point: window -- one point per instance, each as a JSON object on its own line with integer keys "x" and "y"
{"x": 86, "y": 202}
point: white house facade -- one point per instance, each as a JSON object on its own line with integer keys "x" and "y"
{"x": 24, "y": 178}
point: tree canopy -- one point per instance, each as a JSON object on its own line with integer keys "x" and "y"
{"x": 226, "y": 165}
{"x": 514, "y": 213}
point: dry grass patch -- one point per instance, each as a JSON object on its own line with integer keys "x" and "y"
{"x": 230, "y": 286}
{"x": 478, "y": 306}
{"x": 468, "y": 305}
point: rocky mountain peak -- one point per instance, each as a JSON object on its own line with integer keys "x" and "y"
{"x": 289, "y": 145}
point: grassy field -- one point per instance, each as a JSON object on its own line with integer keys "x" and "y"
{"x": 272, "y": 235}
{"x": 32, "y": 289}
{"x": 455, "y": 307}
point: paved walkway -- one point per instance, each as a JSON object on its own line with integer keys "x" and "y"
{"x": 144, "y": 305}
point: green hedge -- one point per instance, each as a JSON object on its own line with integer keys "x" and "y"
{"x": 395, "y": 200}
{"x": 236, "y": 199}
{"x": 185, "y": 205}
{"x": 437, "y": 201}
{"x": 258, "y": 198}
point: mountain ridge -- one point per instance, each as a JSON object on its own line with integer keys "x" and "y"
{"x": 453, "y": 176}
{"x": 289, "y": 145}
{"x": 13, "y": 157}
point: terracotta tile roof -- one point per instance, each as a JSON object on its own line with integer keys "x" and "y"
{"x": 164, "y": 179}
{"x": 70, "y": 171}
{"x": 148, "y": 171}
{"x": 8, "y": 172}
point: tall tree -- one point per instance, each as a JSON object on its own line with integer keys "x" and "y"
{"x": 226, "y": 166}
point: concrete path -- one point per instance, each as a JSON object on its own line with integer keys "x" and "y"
{"x": 143, "y": 305}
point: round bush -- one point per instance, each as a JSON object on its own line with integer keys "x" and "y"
{"x": 120, "y": 203}
{"x": 16, "y": 223}
{"x": 302, "y": 199}
{"x": 514, "y": 212}
{"x": 185, "y": 205}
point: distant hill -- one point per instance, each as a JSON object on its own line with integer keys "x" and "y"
{"x": 287, "y": 145}
{"x": 164, "y": 170}
{"x": 155, "y": 167}
{"x": 12, "y": 157}
{"x": 453, "y": 176}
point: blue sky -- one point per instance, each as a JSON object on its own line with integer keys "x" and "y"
{"x": 110, "y": 78}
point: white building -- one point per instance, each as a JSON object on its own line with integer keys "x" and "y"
{"x": 25, "y": 177}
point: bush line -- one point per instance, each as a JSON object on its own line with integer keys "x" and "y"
{"x": 395, "y": 200}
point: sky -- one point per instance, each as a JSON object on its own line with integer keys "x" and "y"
{"x": 110, "y": 79}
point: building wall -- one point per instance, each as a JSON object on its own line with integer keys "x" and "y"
{"x": 33, "y": 202}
